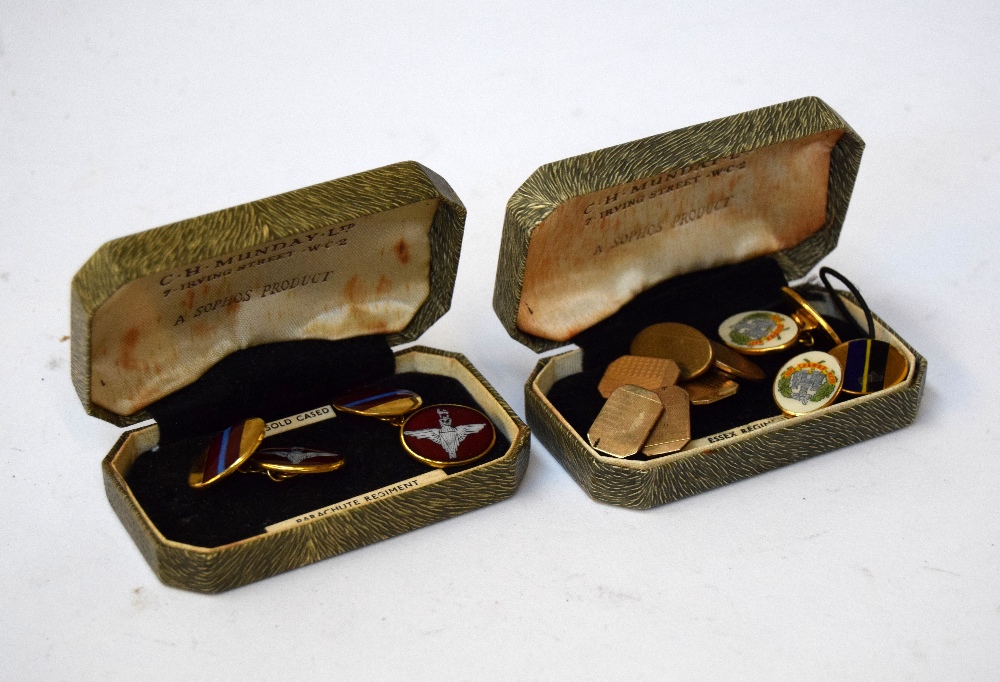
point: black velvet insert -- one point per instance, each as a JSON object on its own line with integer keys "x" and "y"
{"x": 242, "y": 505}
{"x": 271, "y": 381}
{"x": 702, "y": 300}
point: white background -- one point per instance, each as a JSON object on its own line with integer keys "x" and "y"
{"x": 879, "y": 561}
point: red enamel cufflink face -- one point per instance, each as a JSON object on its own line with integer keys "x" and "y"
{"x": 447, "y": 435}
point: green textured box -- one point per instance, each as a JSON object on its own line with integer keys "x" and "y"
{"x": 371, "y": 254}
{"x": 583, "y": 236}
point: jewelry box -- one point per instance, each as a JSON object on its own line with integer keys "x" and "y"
{"x": 691, "y": 226}
{"x": 271, "y": 310}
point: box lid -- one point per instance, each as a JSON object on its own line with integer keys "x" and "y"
{"x": 585, "y": 235}
{"x": 372, "y": 253}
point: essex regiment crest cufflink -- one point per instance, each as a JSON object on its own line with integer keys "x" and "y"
{"x": 759, "y": 331}
{"x": 808, "y": 382}
{"x": 756, "y": 332}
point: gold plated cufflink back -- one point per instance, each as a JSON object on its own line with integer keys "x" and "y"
{"x": 734, "y": 364}
{"x": 709, "y": 388}
{"x": 808, "y": 317}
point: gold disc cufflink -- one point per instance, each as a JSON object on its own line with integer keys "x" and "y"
{"x": 710, "y": 388}
{"x": 808, "y": 382}
{"x": 683, "y": 344}
{"x": 226, "y": 452}
{"x": 733, "y": 364}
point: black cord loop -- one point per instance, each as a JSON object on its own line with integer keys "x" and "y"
{"x": 824, "y": 273}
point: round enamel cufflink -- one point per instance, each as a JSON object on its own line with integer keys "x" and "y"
{"x": 870, "y": 365}
{"x": 755, "y": 332}
{"x": 438, "y": 435}
{"x": 808, "y": 382}
{"x": 759, "y": 331}
{"x": 447, "y": 435}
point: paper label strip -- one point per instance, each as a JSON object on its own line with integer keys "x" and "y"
{"x": 724, "y": 436}
{"x": 360, "y": 500}
{"x": 296, "y": 421}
